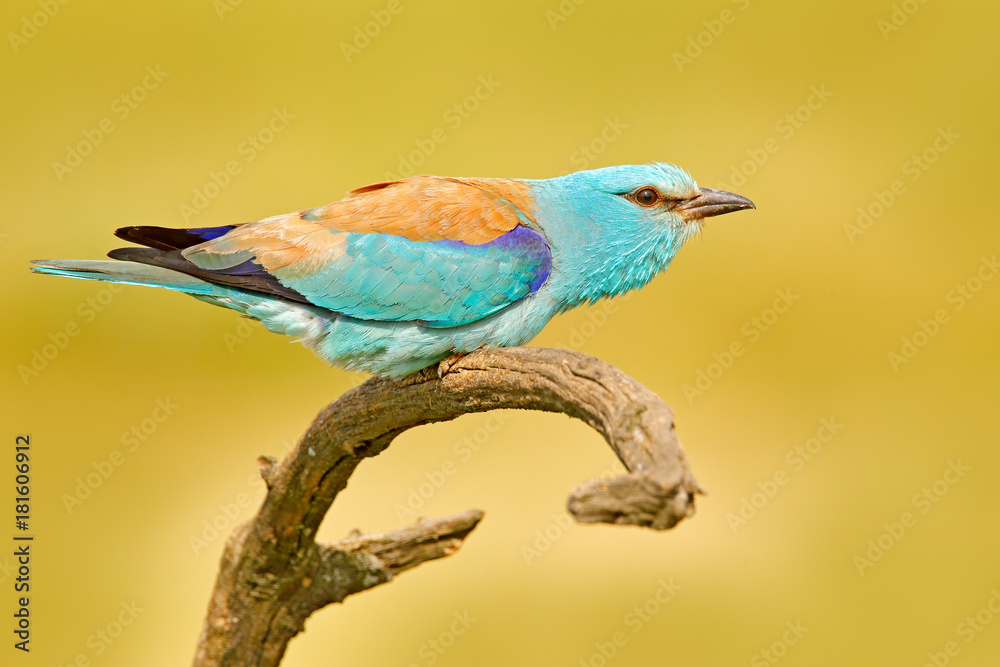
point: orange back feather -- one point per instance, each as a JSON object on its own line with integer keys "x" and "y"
{"x": 421, "y": 208}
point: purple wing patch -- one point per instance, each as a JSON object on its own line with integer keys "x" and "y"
{"x": 535, "y": 249}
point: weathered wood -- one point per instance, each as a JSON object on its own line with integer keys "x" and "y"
{"x": 273, "y": 574}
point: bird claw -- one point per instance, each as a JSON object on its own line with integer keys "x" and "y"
{"x": 445, "y": 366}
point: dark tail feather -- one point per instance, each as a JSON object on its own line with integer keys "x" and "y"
{"x": 165, "y": 238}
{"x": 248, "y": 276}
{"x": 164, "y": 246}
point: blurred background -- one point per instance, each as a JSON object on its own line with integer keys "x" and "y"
{"x": 832, "y": 357}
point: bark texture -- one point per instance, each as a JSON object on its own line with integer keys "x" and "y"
{"x": 273, "y": 574}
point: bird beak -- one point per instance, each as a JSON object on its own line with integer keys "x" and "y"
{"x": 712, "y": 202}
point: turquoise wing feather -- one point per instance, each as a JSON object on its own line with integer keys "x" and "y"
{"x": 443, "y": 252}
{"x": 439, "y": 283}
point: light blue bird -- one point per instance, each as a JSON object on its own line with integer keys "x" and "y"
{"x": 404, "y": 274}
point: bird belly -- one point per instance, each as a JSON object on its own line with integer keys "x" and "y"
{"x": 398, "y": 348}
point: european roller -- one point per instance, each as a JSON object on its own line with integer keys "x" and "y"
{"x": 401, "y": 275}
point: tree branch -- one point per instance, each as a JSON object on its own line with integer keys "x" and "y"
{"x": 273, "y": 574}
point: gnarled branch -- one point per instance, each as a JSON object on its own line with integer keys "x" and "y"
{"x": 273, "y": 574}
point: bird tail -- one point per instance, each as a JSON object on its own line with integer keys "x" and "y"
{"x": 246, "y": 288}
{"x": 128, "y": 273}
{"x": 280, "y": 316}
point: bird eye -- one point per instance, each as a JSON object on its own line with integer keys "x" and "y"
{"x": 646, "y": 196}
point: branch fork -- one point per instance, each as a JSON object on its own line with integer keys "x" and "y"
{"x": 273, "y": 575}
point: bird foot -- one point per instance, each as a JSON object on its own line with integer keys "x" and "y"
{"x": 445, "y": 366}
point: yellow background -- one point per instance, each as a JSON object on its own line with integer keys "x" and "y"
{"x": 241, "y": 392}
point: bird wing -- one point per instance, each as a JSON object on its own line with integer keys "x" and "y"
{"x": 441, "y": 251}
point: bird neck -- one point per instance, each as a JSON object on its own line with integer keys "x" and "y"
{"x": 595, "y": 252}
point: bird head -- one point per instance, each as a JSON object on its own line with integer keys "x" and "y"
{"x": 654, "y": 196}
{"x": 617, "y": 227}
